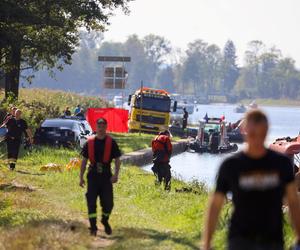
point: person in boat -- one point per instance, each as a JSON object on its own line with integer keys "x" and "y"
{"x": 214, "y": 141}
{"x": 162, "y": 151}
{"x": 258, "y": 180}
{"x": 229, "y": 127}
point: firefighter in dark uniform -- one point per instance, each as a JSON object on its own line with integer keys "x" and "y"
{"x": 9, "y": 115}
{"x": 16, "y": 126}
{"x": 100, "y": 149}
{"x": 162, "y": 151}
{"x": 185, "y": 119}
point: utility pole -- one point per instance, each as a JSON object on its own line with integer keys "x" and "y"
{"x": 141, "y": 106}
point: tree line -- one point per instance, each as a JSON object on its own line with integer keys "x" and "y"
{"x": 55, "y": 44}
{"x": 201, "y": 70}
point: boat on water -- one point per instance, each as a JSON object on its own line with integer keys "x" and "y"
{"x": 235, "y": 131}
{"x": 290, "y": 147}
{"x": 240, "y": 109}
{"x": 235, "y": 136}
{"x": 253, "y": 105}
{"x": 212, "y": 137}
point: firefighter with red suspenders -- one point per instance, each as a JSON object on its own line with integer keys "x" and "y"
{"x": 100, "y": 150}
{"x": 162, "y": 151}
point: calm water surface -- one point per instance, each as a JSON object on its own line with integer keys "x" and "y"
{"x": 284, "y": 121}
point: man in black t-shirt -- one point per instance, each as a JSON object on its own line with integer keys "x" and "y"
{"x": 100, "y": 150}
{"x": 258, "y": 180}
{"x": 16, "y": 126}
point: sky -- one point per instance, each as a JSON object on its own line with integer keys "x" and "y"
{"x": 275, "y": 22}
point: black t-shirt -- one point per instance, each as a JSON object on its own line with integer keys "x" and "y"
{"x": 257, "y": 187}
{"x": 15, "y": 128}
{"x": 99, "y": 150}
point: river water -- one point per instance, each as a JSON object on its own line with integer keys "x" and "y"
{"x": 284, "y": 121}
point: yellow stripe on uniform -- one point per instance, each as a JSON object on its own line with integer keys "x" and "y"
{"x": 11, "y": 160}
{"x": 94, "y": 215}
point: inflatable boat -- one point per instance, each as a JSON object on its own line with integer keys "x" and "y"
{"x": 212, "y": 137}
{"x": 287, "y": 145}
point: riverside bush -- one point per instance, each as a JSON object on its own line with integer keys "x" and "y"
{"x": 38, "y": 104}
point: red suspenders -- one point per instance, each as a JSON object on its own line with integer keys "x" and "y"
{"x": 107, "y": 149}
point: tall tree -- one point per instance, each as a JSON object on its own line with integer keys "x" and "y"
{"x": 201, "y": 67}
{"x": 44, "y": 34}
{"x": 268, "y": 85}
{"x": 141, "y": 67}
{"x": 288, "y": 78}
{"x": 165, "y": 79}
{"x": 212, "y": 68}
{"x": 157, "y": 48}
{"x": 194, "y": 66}
{"x": 230, "y": 70}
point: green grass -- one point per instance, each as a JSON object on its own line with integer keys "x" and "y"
{"x": 145, "y": 217}
{"x": 133, "y": 141}
{"x": 54, "y": 215}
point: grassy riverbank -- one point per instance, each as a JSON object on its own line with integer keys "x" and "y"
{"x": 39, "y": 104}
{"x": 51, "y": 213}
{"x": 133, "y": 141}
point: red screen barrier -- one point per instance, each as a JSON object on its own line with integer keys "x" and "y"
{"x": 117, "y": 119}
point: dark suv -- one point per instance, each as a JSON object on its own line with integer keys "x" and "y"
{"x": 63, "y": 132}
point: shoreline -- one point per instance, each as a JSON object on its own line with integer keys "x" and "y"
{"x": 261, "y": 102}
{"x": 272, "y": 102}
{"x": 143, "y": 157}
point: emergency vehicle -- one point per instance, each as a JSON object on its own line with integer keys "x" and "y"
{"x": 150, "y": 110}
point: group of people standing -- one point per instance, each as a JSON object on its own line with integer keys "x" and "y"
{"x": 78, "y": 111}
{"x": 16, "y": 127}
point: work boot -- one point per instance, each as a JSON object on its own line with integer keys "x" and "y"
{"x": 93, "y": 231}
{"x": 12, "y": 166}
{"x": 93, "y": 226}
{"x": 107, "y": 227}
{"x": 168, "y": 186}
{"x": 157, "y": 183}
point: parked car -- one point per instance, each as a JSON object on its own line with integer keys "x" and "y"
{"x": 67, "y": 132}
{"x": 3, "y": 132}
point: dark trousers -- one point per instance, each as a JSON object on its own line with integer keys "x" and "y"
{"x": 162, "y": 172}
{"x": 184, "y": 123}
{"x": 246, "y": 244}
{"x": 99, "y": 185}
{"x": 13, "y": 147}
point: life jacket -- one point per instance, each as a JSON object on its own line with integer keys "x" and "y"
{"x": 161, "y": 148}
{"x": 107, "y": 149}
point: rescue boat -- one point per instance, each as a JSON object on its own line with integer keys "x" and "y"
{"x": 291, "y": 148}
{"x": 212, "y": 137}
{"x": 288, "y": 146}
